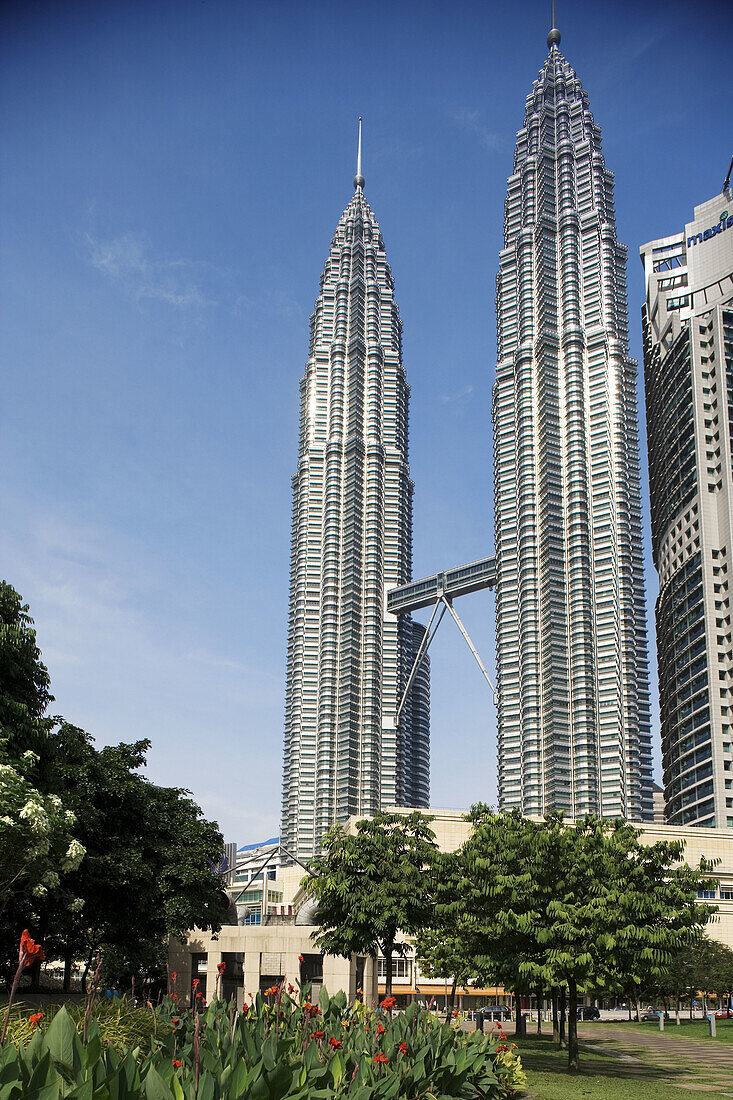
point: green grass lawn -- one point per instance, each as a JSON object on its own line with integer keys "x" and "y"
{"x": 601, "y": 1077}
{"x": 697, "y": 1029}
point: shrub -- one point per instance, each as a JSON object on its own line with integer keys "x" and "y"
{"x": 278, "y": 1049}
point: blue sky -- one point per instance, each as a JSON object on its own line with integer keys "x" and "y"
{"x": 172, "y": 175}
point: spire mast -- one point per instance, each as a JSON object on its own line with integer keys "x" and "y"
{"x": 358, "y": 178}
{"x": 553, "y": 38}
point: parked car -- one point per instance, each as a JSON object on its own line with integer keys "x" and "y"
{"x": 588, "y": 1012}
{"x": 496, "y": 1012}
{"x": 650, "y": 1014}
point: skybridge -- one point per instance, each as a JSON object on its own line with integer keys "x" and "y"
{"x": 439, "y": 591}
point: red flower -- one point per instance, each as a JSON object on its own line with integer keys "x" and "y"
{"x": 177, "y": 1062}
{"x": 367, "y": 1028}
{"x": 291, "y": 988}
{"x": 500, "y": 1049}
{"x": 174, "y": 996}
{"x": 29, "y": 948}
{"x": 381, "y": 1029}
{"x": 318, "y": 1034}
{"x": 199, "y": 995}
{"x": 35, "y": 1019}
{"x": 455, "y": 1013}
{"x": 301, "y": 959}
{"x": 388, "y": 1003}
{"x": 174, "y": 975}
{"x": 311, "y": 1010}
{"x": 402, "y": 1048}
{"x": 381, "y": 1058}
{"x": 245, "y": 1008}
{"x": 195, "y": 982}
{"x": 175, "y": 1021}
{"x": 335, "y": 1043}
{"x": 221, "y": 967}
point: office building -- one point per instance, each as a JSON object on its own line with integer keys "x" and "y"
{"x": 348, "y": 659}
{"x": 688, "y": 367}
{"x": 571, "y": 632}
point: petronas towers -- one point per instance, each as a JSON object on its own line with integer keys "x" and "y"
{"x": 570, "y": 616}
{"x": 348, "y": 659}
{"x": 571, "y": 636}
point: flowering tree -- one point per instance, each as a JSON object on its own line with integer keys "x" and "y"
{"x": 36, "y": 841}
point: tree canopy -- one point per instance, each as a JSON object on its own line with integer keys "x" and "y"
{"x": 92, "y": 854}
{"x": 373, "y": 883}
{"x": 577, "y": 905}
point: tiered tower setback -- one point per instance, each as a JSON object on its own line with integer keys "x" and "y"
{"x": 348, "y": 659}
{"x": 571, "y": 632}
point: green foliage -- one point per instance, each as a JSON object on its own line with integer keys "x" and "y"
{"x": 371, "y": 884}
{"x": 122, "y": 1024}
{"x": 583, "y": 905}
{"x": 278, "y": 1049}
{"x": 147, "y": 849}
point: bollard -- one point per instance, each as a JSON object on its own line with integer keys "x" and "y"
{"x": 661, "y": 1021}
{"x": 711, "y": 1024}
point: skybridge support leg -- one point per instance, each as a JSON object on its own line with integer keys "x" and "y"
{"x": 422, "y": 651}
{"x": 472, "y": 647}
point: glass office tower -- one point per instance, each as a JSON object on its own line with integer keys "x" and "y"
{"x": 348, "y": 659}
{"x": 688, "y": 367}
{"x": 571, "y": 629}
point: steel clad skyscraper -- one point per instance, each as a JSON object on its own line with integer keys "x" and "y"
{"x": 571, "y": 631}
{"x": 348, "y": 659}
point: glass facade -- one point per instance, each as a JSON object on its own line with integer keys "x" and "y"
{"x": 348, "y": 660}
{"x": 688, "y": 352}
{"x": 571, "y": 632}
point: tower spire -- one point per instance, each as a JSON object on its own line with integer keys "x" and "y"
{"x": 553, "y": 38}
{"x": 358, "y": 178}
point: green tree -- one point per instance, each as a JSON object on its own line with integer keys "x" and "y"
{"x": 585, "y": 905}
{"x": 148, "y": 871}
{"x": 372, "y": 884}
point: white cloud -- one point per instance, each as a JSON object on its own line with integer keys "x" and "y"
{"x": 471, "y": 121}
{"x": 451, "y": 398}
{"x": 127, "y": 261}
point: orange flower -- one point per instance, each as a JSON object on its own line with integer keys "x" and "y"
{"x": 221, "y": 967}
{"x": 344, "y": 1023}
{"x": 35, "y": 1019}
{"x": 381, "y": 1029}
{"x": 291, "y": 988}
{"x": 388, "y": 1003}
{"x": 402, "y": 1047}
{"x": 177, "y": 1062}
{"x": 318, "y": 1035}
{"x": 29, "y": 948}
{"x": 381, "y": 1058}
{"x": 334, "y": 1043}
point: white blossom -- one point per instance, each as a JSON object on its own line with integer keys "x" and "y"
{"x": 74, "y": 855}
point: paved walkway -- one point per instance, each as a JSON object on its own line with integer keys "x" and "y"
{"x": 693, "y": 1064}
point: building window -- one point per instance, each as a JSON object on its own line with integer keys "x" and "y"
{"x": 400, "y": 968}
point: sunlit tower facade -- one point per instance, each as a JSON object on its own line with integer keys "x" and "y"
{"x": 348, "y": 659}
{"x": 571, "y": 627}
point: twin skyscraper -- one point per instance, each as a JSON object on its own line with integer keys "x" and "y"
{"x": 571, "y": 634}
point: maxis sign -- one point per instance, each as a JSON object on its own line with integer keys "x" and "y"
{"x": 724, "y": 223}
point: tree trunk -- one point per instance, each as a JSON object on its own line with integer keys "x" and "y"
{"x": 555, "y": 1018}
{"x": 451, "y": 1001}
{"x": 518, "y": 1016}
{"x": 562, "y": 1017}
{"x": 539, "y": 1011}
{"x": 630, "y": 1003}
{"x": 573, "y": 1054}
{"x": 677, "y": 1011}
{"x": 67, "y": 969}
{"x": 388, "y": 969}
{"x": 637, "y": 1009}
